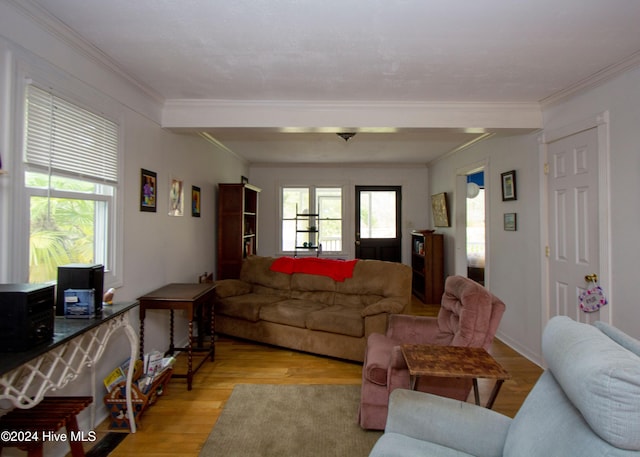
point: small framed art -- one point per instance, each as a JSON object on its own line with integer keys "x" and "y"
{"x": 148, "y": 190}
{"x": 195, "y": 201}
{"x": 509, "y": 186}
{"x": 440, "y": 210}
{"x": 511, "y": 222}
{"x": 176, "y": 197}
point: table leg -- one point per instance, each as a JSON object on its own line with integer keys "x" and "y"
{"x": 476, "y": 392}
{"x": 494, "y": 393}
{"x": 141, "y": 335}
{"x": 200, "y": 312}
{"x": 171, "y": 326}
{"x": 190, "y": 355}
{"x": 212, "y": 321}
{"x": 412, "y": 381}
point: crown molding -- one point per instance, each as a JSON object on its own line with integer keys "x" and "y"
{"x": 592, "y": 81}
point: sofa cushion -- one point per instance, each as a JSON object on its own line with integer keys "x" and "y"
{"x": 255, "y": 270}
{"x": 312, "y": 283}
{"x": 231, "y": 287}
{"x": 465, "y": 315}
{"x": 289, "y": 312}
{"x": 378, "y": 279}
{"x": 337, "y": 319}
{"x": 359, "y": 301}
{"x": 600, "y": 377}
{"x": 547, "y": 425}
{"x": 397, "y": 445}
{"x": 619, "y": 337}
{"x": 244, "y": 306}
{"x": 315, "y": 288}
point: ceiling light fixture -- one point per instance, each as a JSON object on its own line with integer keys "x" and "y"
{"x": 346, "y": 136}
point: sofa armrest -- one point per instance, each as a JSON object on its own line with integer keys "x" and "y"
{"x": 232, "y": 287}
{"x": 451, "y": 423}
{"x": 386, "y": 305}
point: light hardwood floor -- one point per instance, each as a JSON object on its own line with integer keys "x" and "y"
{"x": 181, "y": 420}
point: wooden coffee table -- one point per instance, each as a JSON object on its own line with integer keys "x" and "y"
{"x": 455, "y": 362}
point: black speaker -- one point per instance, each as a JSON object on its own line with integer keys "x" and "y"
{"x": 26, "y": 315}
{"x": 80, "y": 276}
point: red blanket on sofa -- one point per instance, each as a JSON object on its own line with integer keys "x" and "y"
{"x": 338, "y": 270}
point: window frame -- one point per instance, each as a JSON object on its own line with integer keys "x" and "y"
{"x": 106, "y": 256}
{"x": 312, "y": 189}
{"x": 85, "y": 97}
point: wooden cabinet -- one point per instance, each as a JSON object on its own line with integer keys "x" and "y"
{"x": 427, "y": 264}
{"x": 237, "y": 227}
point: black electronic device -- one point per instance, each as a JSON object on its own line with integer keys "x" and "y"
{"x": 80, "y": 276}
{"x": 26, "y": 315}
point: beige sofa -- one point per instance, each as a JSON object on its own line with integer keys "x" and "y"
{"x": 312, "y": 312}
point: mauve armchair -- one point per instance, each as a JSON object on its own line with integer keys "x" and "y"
{"x": 469, "y": 316}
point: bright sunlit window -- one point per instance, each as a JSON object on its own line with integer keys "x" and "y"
{"x": 312, "y": 217}
{"x": 71, "y": 160}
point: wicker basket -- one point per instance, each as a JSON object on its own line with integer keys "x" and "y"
{"x": 117, "y": 403}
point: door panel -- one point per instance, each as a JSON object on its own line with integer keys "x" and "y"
{"x": 378, "y": 230}
{"x": 574, "y": 222}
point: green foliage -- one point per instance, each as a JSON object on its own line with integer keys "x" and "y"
{"x": 61, "y": 231}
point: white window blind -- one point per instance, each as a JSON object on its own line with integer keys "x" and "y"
{"x": 62, "y": 137}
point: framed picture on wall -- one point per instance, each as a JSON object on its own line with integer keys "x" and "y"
{"x": 195, "y": 201}
{"x": 148, "y": 190}
{"x": 440, "y": 210}
{"x": 509, "y": 185}
{"x": 510, "y": 222}
{"x": 176, "y": 197}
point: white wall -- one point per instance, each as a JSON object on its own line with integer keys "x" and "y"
{"x": 158, "y": 249}
{"x": 415, "y": 197}
{"x": 621, "y": 98}
{"x": 513, "y": 258}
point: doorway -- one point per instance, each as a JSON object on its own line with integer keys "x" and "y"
{"x": 472, "y": 206}
{"x": 378, "y": 227}
{"x": 578, "y": 221}
{"x": 475, "y": 227}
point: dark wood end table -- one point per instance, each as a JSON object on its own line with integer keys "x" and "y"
{"x": 455, "y": 362}
{"x": 192, "y": 298}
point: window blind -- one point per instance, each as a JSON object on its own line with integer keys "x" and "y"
{"x": 62, "y": 137}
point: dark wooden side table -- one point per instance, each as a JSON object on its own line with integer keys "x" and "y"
{"x": 192, "y": 298}
{"x": 455, "y": 362}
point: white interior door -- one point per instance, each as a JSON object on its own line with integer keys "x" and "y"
{"x": 574, "y": 203}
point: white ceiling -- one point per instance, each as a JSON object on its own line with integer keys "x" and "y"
{"x": 448, "y": 51}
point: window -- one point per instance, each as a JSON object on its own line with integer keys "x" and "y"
{"x": 323, "y": 205}
{"x": 71, "y": 177}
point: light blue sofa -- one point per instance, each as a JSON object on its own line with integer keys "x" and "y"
{"x": 586, "y": 404}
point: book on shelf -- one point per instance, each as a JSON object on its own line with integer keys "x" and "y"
{"x": 248, "y": 247}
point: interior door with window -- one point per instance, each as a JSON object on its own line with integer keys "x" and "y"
{"x": 378, "y": 229}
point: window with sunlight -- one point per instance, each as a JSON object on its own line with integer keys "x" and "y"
{"x": 323, "y": 205}
{"x": 71, "y": 175}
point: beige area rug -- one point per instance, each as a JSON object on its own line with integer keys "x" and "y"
{"x": 290, "y": 420}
